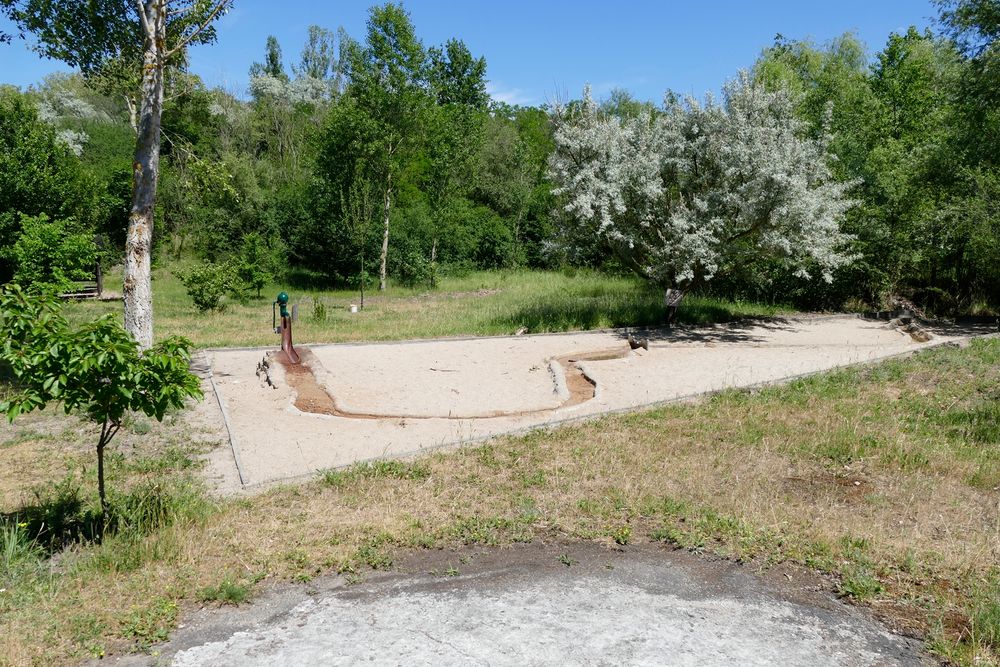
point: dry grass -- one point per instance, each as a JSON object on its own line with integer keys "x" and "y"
{"x": 887, "y": 477}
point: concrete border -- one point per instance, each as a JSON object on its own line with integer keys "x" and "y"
{"x": 229, "y": 431}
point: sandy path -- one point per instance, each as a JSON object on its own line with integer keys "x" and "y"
{"x": 441, "y": 392}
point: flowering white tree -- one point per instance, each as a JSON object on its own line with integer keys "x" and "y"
{"x": 685, "y": 193}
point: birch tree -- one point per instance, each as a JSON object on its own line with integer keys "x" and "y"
{"x": 699, "y": 188}
{"x": 388, "y": 90}
{"x": 149, "y": 36}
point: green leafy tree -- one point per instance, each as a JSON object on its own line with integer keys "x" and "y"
{"x": 457, "y": 77}
{"x": 51, "y": 255}
{"x": 453, "y": 127}
{"x": 272, "y": 65}
{"x": 147, "y": 37}
{"x": 38, "y": 175}
{"x": 388, "y": 91}
{"x": 259, "y": 261}
{"x": 319, "y": 55}
{"x": 96, "y": 370}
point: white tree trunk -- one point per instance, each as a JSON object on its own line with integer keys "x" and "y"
{"x": 137, "y": 288}
{"x": 385, "y": 234}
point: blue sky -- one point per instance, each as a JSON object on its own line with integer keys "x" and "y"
{"x": 541, "y": 50}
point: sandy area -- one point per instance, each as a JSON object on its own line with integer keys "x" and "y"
{"x": 394, "y": 399}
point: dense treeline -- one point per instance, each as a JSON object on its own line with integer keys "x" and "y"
{"x": 918, "y": 133}
{"x": 379, "y": 158}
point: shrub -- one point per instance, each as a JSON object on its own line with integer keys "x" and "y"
{"x": 51, "y": 256}
{"x": 412, "y": 269}
{"x": 319, "y": 309}
{"x": 209, "y": 283}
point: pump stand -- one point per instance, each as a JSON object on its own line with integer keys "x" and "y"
{"x": 286, "y": 327}
{"x": 286, "y": 340}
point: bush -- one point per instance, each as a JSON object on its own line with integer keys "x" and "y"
{"x": 51, "y": 256}
{"x": 259, "y": 261}
{"x": 412, "y": 269}
{"x": 209, "y": 283}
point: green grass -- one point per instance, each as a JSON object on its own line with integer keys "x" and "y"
{"x": 228, "y": 591}
{"x": 384, "y": 469}
{"x": 480, "y": 303}
{"x": 20, "y": 555}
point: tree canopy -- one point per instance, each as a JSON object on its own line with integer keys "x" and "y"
{"x": 698, "y": 189}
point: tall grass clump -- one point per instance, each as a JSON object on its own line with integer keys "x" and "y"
{"x": 20, "y": 555}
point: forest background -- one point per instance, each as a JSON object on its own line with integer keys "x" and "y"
{"x": 300, "y": 177}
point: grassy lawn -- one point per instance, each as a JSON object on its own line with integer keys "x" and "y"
{"x": 481, "y": 303}
{"x": 885, "y": 477}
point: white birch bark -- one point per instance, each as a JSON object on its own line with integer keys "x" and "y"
{"x": 385, "y": 235}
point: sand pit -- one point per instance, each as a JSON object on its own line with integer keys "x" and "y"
{"x": 354, "y": 402}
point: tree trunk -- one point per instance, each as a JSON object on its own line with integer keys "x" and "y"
{"x": 362, "y": 281}
{"x": 385, "y": 234}
{"x": 137, "y": 288}
{"x": 100, "y": 483}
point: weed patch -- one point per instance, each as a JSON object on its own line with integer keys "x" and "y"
{"x": 228, "y": 591}
{"x": 386, "y": 469}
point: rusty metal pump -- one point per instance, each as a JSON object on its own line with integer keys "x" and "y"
{"x": 280, "y": 307}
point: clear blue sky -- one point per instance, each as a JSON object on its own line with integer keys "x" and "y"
{"x": 544, "y": 49}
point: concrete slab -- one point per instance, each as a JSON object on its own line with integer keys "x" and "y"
{"x": 525, "y": 606}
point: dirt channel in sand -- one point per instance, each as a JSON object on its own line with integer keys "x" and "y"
{"x": 311, "y": 397}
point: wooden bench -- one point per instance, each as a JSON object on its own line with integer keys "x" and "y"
{"x": 92, "y": 289}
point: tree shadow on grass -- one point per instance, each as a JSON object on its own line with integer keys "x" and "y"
{"x": 562, "y": 313}
{"x": 580, "y": 314}
{"x": 57, "y": 520}
{"x": 60, "y": 516}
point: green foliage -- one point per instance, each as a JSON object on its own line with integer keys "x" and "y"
{"x": 208, "y": 283}
{"x": 496, "y": 246}
{"x": 51, "y": 256}
{"x": 915, "y": 128}
{"x": 229, "y": 591}
{"x": 319, "y": 310}
{"x": 411, "y": 268}
{"x": 20, "y": 555}
{"x": 258, "y": 262}
{"x": 102, "y": 32}
{"x": 38, "y": 175}
{"x": 96, "y": 370}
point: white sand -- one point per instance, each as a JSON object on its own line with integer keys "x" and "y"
{"x": 441, "y": 392}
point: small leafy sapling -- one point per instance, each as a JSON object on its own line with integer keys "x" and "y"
{"x": 96, "y": 370}
{"x": 258, "y": 262}
{"x": 208, "y": 283}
